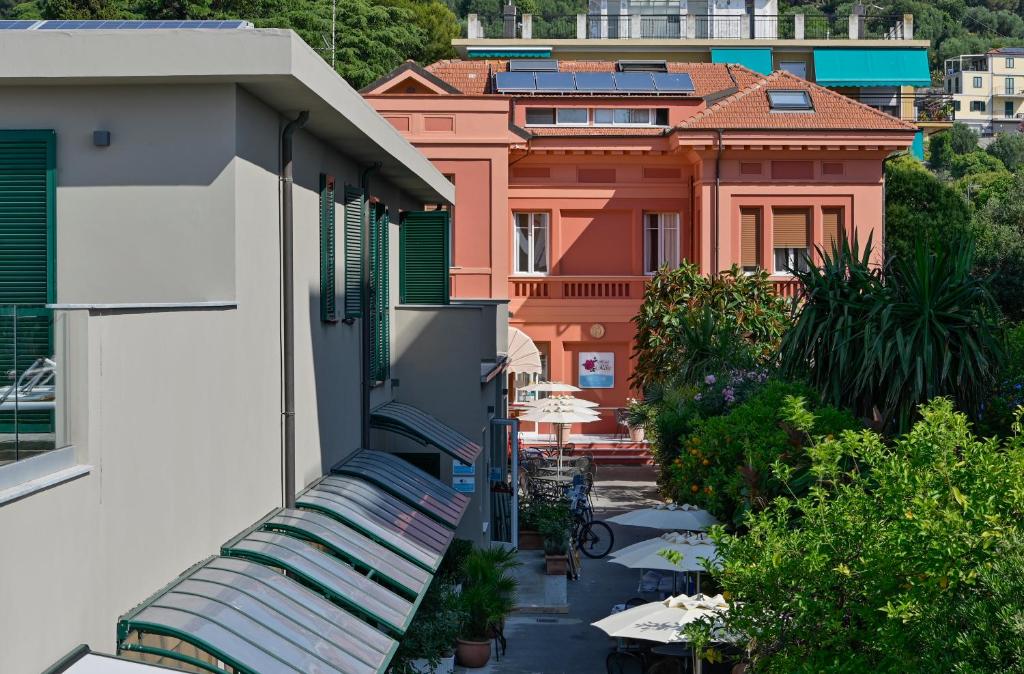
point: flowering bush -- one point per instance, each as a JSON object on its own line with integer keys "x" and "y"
{"x": 725, "y": 462}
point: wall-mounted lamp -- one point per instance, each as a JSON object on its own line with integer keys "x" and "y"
{"x": 101, "y": 138}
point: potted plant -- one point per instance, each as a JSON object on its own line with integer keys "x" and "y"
{"x": 637, "y": 418}
{"x": 529, "y": 534}
{"x": 428, "y": 645}
{"x": 554, "y": 524}
{"x": 488, "y": 595}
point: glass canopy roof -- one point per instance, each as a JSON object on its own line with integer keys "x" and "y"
{"x": 400, "y": 478}
{"x": 255, "y": 619}
{"x": 422, "y": 427}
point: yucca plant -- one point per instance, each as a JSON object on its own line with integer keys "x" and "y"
{"x": 884, "y": 341}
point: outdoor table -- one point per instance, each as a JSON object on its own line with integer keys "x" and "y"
{"x": 559, "y": 479}
{"x": 678, "y": 650}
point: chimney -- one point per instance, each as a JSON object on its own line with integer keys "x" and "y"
{"x": 509, "y": 24}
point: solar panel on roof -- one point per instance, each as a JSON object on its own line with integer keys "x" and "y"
{"x": 673, "y": 82}
{"x": 533, "y": 65}
{"x": 634, "y": 82}
{"x": 595, "y": 82}
{"x": 515, "y": 82}
{"x": 555, "y": 82}
{"x": 122, "y": 24}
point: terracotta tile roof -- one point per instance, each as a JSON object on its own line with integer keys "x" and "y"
{"x": 471, "y": 77}
{"x": 573, "y": 131}
{"x": 749, "y": 109}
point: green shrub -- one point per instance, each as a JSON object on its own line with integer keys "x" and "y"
{"x": 690, "y": 324}
{"x": 1009, "y": 148}
{"x": 908, "y": 557}
{"x": 974, "y": 163}
{"x": 999, "y": 411}
{"x": 883, "y": 348}
{"x": 920, "y": 207}
{"x": 726, "y": 461}
{"x": 433, "y": 630}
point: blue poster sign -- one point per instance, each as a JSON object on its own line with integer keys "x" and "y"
{"x": 597, "y": 369}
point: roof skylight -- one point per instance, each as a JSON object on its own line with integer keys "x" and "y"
{"x": 780, "y": 100}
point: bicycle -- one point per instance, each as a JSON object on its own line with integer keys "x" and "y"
{"x": 593, "y": 538}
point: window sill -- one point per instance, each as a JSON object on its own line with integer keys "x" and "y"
{"x": 24, "y": 478}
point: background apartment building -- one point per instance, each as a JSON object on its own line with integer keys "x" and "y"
{"x": 988, "y": 89}
{"x": 143, "y": 192}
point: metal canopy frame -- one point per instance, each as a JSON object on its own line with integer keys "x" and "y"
{"x": 327, "y": 575}
{"x": 416, "y": 424}
{"x": 255, "y": 620}
{"x": 365, "y": 555}
{"x": 381, "y": 516}
{"x": 402, "y": 479}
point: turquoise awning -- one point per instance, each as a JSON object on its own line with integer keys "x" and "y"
{"x": 758, "y": 60}
{"x": 508, "y": 52}
{"x": 871, "y": 67}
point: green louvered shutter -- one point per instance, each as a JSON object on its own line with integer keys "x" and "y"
{"x": 423, "y": 243}
{"x": 328, "y": 263}
{"x": 27, "y": 196}
{"x": 380, "y": 357}
{"x": 353, "y": 251}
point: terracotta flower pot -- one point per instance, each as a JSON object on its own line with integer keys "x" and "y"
{"x": 530, "y": 540}
{"x": 556, "y": 565}
{"x": 472, "y": 654}
{"x": 636, "y": 434}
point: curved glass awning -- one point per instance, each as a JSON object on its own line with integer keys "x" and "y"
{"x": 384, "y": 518}
{"x": 416, "y": 424}
{"x": 400, "y": 478}
{"x": 253, "y": 619}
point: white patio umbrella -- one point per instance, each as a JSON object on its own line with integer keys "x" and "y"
{"x": 523, "y": 355}
{"x": 565, "y": 400}
{"x": 551, "y": 411}
{"x": 663, "y": 621}
{"x": 551, "y": 387}
{"x": 680, "y": 517}
{"x": 692, "y": 551}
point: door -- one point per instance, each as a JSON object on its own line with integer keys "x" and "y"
{"x": 1008, "y": 109}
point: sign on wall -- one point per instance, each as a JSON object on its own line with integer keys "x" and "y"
{"x": 463, "y": 477}
{"x": 597, "y": 369}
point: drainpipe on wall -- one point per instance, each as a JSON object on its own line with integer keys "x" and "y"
{"x": 288, "y": 304}
{"x": 364, "y": 301}
{"x": 715, "y": 233}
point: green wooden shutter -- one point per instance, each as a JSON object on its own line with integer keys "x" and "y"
{"x": 27, "y": 236}
{"x": 353, "y": 251}
{"x": 423, "y": 243}
{"x": 328, "y": 263}
{"x": 380, "y": 356}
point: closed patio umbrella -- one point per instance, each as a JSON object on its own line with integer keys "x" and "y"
{"x": 672, "y": 516}
{"x": 523, "y": 356}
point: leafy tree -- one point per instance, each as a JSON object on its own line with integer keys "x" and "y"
{"x": 689, "y": 324}
{"x": 907, "y": 557}
{"x": 1008, "y": 147}
{"x": 883, "y": 346}
{"x": 962, "y": 138}
{"x": 973, "y": 163}
{"x": 920, "y": 207}
{"x": 940, "y": 151}
{"x": 1000, "y": 226}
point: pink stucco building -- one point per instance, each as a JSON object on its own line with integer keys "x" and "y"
{"x": 577, "y": 179}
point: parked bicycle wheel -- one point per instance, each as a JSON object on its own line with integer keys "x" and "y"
{"x": 595, "y": 539}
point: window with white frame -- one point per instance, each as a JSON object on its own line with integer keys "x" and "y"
{"x": 977, "y": 83}
{"x": 572, "y": 116}
{"x": 631, "y": 117}
{"x": 532, "y": 237}
{"x": 1009, "y": 86}
{"x": 1009, "y": 62}
{"x": 661, "y": 241}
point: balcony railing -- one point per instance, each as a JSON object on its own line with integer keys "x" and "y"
{"x": 577, "y": 288}
{"x": 29, "y": 377}
{"x": 603, "y": 288}
{"x": 677, "y": 25}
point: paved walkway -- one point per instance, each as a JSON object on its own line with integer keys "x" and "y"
{"x": 566, "y": 643}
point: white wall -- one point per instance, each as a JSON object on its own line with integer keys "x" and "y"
{"x": 177, "y": 411}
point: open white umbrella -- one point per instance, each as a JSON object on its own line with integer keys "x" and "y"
{"x": 551, "y": 387}
{"x": 680, "y": 518}
{"x": 564, "y": 400}
{"x": 663, "y": 621}
{"x": 647, "y": 555}
{"x": 523, "y": 355}
{"x": 551, "y": 411}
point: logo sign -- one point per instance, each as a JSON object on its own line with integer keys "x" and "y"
{"x": 460, "y": 468}
{"x": 466, "y": 485}
{"x": 597, "y": 369}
